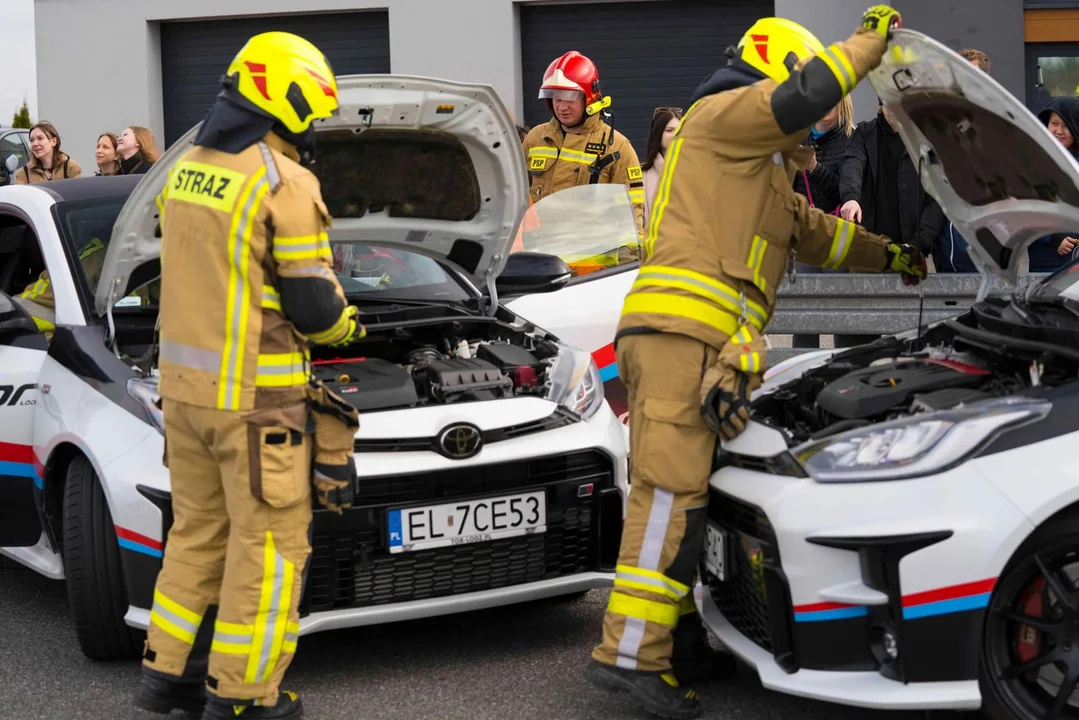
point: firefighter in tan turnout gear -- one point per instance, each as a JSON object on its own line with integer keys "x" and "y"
{"x": 247, "y": 283}
{"x": 723, "y": 227}
{"x": 577, "y": 147}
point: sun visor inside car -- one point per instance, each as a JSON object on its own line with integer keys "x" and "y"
{"x": 411, "y": 173}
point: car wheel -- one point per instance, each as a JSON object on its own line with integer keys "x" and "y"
{"x": 1030, "y": 647}
{"x": 95, "y": 576}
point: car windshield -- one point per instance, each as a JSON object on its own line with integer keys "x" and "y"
{"x": 86, "y": 227}
{"x": 1062, "y": 283}
{"x": 381, "y": 273}
{"x": 591, "y": 227}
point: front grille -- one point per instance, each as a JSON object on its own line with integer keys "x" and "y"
{"x": 743, "y": 598}
{"x": 351, "y": 566}
{"x": 559, "y": 418}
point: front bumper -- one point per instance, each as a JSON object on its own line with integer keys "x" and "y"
{"x": 826, "y": 577}
{"x": 352, "y": 579}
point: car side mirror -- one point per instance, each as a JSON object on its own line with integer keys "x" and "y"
{"x": 12, "y": 163}
{"x": 14, "y": 320}
{"x": 527, "y": 273}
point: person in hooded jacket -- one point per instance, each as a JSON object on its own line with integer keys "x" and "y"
{"x": 1048, "y": 253}
{"x": 246, "y": 287}
{"x": 690, "y": 341}
{"x": 576, "y": 147}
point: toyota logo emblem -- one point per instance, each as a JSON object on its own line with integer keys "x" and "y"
{"x": 460, "y": 441}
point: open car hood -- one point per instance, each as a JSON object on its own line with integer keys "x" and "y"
{"x": 996, "y": 171}
{"x": 424, "y": 164}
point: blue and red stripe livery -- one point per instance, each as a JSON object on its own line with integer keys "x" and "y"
{"x": 942, "y": 601}
{"x": 605, "y": 361}
{"x": 131, "y": 540}
{"x": 20, "y": 461}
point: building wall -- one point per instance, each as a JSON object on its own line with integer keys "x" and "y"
{"x": 98, "y": 63}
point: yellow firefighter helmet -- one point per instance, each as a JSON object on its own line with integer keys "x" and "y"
{"x": 775, "y": 45}
{"x": 285, "y": 77}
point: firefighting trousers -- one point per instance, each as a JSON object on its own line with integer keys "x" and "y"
{"x": 671, "y": 452}
{"x": 241, "y": 499}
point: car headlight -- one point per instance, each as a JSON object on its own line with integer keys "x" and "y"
{"x": 914, "y": 446}
{"x": 144, "y": 392}
{"x": 575, "y": 382}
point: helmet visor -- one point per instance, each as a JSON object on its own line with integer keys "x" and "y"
{"x": 560, "y": 94}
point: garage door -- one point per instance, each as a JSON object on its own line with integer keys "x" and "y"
{"x": 649, "y": 54}
{"x": 194, "y": 55}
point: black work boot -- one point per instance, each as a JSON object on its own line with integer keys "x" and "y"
{"x": 288, "y": 707}
{"x": 693, "y": 659}
{"x": 162, "y": 693}
{"x": 656, "y": 693}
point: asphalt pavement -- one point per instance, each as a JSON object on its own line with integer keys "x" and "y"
{"x": 518, "y": 662}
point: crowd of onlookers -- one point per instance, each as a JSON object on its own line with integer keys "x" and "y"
{"x": 132, "y": 152}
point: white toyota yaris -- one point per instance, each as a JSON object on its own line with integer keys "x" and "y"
{"x": 491, "y": 469}
{"x": 899, "y": 527}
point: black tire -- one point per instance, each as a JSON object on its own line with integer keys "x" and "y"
{"x": 1050, "y": 548}
{"x": 95, "y": 576}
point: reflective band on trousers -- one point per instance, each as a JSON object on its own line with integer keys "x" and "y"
{"x": 661, "y": 613}
{"x": 841, "y": 242}
{"x": 238, "y": 301}
{"x": 237, "y": 639}
{"x": 271, "y": 622}
{"x": 173, "y": 618}
{"x": 649, "y": 581}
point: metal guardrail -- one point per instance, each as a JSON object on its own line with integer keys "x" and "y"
{"x": 870, "y": 304}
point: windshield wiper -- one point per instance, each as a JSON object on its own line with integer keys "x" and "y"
{"x": 392, "y": 305}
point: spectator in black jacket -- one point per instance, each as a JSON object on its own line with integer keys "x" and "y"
{"x": 1061, "y": 116}
{"x": 880, "y": 188}
{"x": 829, "y": 139}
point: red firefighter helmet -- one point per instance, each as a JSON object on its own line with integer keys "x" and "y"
{"x": 569, "y": 78}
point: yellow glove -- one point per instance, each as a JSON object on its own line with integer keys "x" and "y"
{"x": 356, "y": 330}
{"x": 882, "y": 19}
{"x": 909, "y": 261}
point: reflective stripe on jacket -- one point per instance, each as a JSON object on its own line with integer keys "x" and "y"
{"x": 247, "y": 277}
{"x": 725, "y": 219}
{"x": 558, "y": 160}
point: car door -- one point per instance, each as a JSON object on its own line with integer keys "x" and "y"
{"x": 22, "y": 352}
{"x": 593, "y": 229}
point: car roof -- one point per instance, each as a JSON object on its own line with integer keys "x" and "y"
{"x": 114, "y": 187}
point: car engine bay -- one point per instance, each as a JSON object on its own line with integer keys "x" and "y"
{"x": 463, "y": 360}
{"x": 891, "y": 378}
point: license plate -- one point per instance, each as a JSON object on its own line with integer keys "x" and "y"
{"x": 715, "y": 551}
{"x": 466, "y": 521}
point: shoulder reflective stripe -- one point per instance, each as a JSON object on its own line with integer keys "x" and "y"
{"x": 756, "y": 257}
{"x": 190, "y": 357}
{"x": 272, "y": 175}
{"x": 543, "y": 151}
{"x": 239, "y": 292}
{"x": 636, "y": 195}
{"x": 302, "y": 247}
{"x": 335, "y": 332}
{"x": 271, "y": 299}
{"x": 208, "y": 185}
{"x": 663, "y": 195}
{"x": 840, "y": 57}
{"x": 576, "y": 156}
{"x": 661, "y": 613}
{"x": 841, "y": 242}
{"x": 837, "y": 70}
{"x": 677, "y": 306}
{"x": 720, "y": 293}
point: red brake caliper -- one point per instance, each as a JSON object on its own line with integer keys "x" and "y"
{"x": 1032, "y": 602}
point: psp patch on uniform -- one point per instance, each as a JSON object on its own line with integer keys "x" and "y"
{"x": 537, "y": 163}
{"x": 635, "y": 173}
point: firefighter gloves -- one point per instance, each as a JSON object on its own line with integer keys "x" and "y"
{"x": 727, "y": 385}
{"x": 882, "y": 19}
{"x": 907, "y": 260}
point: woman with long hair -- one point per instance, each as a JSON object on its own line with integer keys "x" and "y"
{"x": 105, "y": 155}
{"x": 48, "y": 161}
{"x": 138, "y": 151}
{"x": 664, "y": 122}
